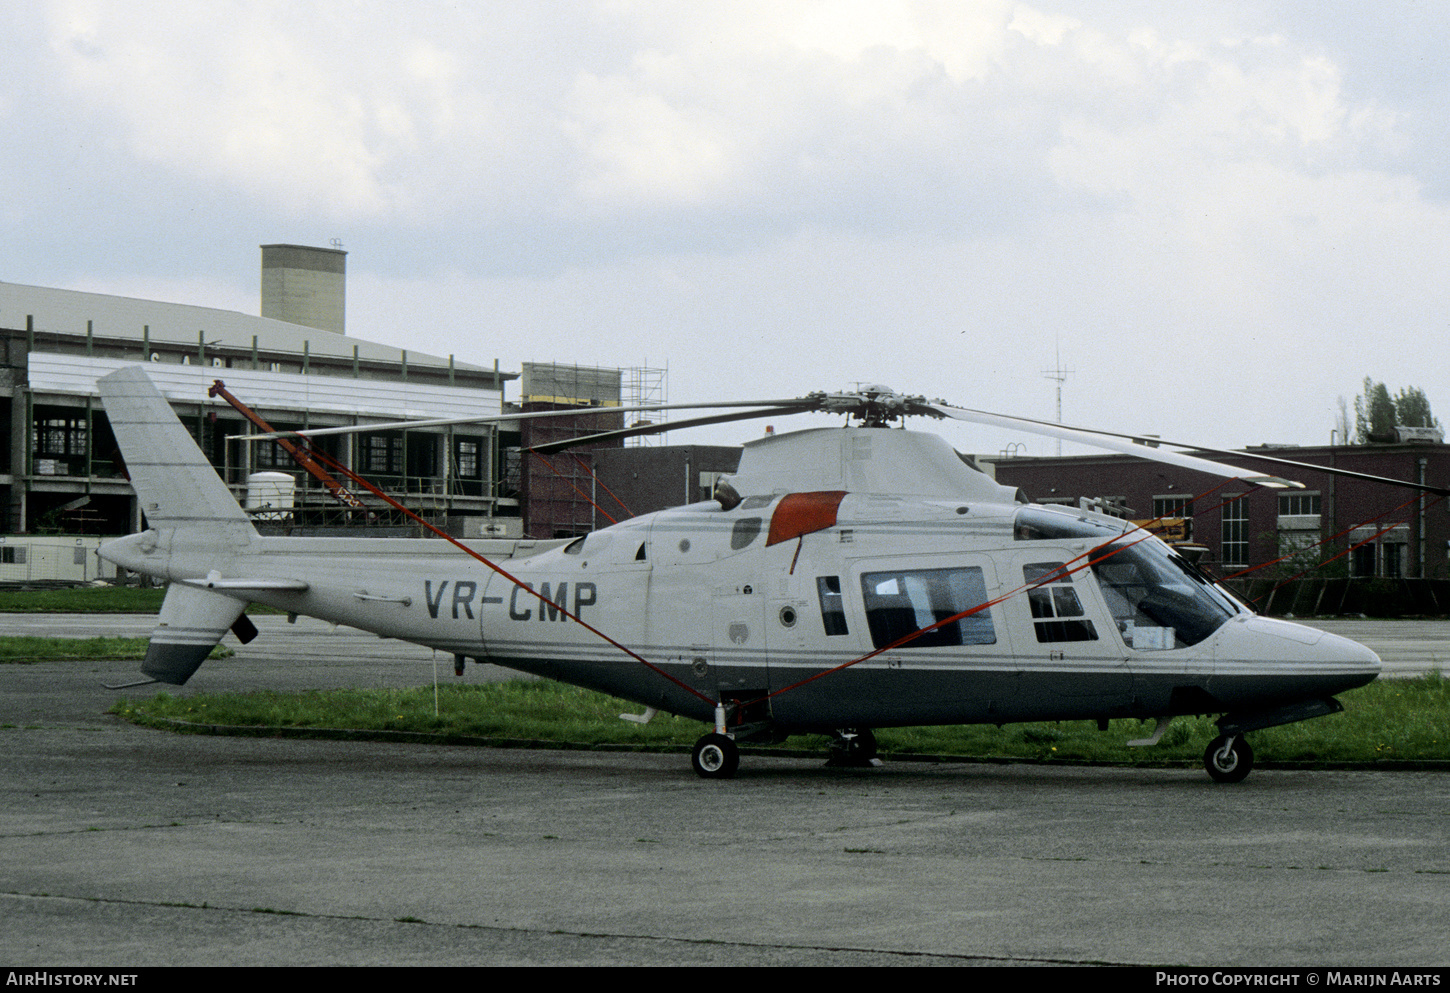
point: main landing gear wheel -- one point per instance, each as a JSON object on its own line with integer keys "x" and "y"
{"x": 1228, "y": 760}
{"x": 852, "y": 747}
{"x": 716, "y": 756}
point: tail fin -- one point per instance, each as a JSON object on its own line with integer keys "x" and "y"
{"x": 176, "y": 485}
{"x": 191, "y": 624}
{"x": 195, "y": 525}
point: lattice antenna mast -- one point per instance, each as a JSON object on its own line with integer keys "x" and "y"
{"x": 1058, "y": 374}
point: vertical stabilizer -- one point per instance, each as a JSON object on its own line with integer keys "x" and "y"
{"x": 195, "y": 527}
{"x": 177, "y": 487}
{"x": 192, "y": 621}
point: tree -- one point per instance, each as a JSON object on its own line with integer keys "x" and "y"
{"x": 1412, "y": 409}
{"x": 1341, "y": 423}
{"x": 1376, "y": 413}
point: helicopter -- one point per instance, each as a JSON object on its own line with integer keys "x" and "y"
{"x": 842, "y": 580}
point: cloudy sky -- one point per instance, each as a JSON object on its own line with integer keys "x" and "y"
{"x": 1223, "y": 215}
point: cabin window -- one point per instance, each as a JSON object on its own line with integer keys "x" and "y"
{"x": 833, "y": 606}
{"x": 1057, "y": 613}
{"x": 902, "y": 602}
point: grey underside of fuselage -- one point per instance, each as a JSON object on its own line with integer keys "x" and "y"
{"x": 897, "y": 697}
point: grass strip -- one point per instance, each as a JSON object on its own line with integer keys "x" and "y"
{"x": 1390, "y": 722}
{"x": 82, "y": 600}
{"x": 35, "y": 649}
{"x": 100, "y": 599}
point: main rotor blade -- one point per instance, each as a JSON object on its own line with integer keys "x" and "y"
{"x": 1141, "y": 442}
{"x": 788, "y": 406}
{"x": 1114, "y": 443}
{"x": 648, "y": 429}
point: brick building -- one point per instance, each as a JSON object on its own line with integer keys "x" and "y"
{"x": 1397, "y": 536}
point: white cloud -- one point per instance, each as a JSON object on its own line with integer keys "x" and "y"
{"x": 820, "y": 177}
{"x": 311, "y": 112}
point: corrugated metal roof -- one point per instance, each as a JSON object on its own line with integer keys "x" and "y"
{"x": 76, "y": 375}
{"x": 67, "y": 311}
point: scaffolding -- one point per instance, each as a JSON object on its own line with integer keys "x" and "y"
{"x": 643, "y": 386}
{"x": 557, "y": 490}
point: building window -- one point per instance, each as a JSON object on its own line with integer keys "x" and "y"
{"x": 1394, "y": 560}
{"x": 1362, "y": 560}
{"x": 1298, "y": 504}
{"x": 271, "y": 455}
{"x": 1298, "y": 529}
{"x": 1234, "y": 541}
{"x": 467, "y": 458}
{"x": 1375, "y": 554}
{"x": 1165, "y": 507}
{"x": 60, "y": 445}
{"x": 383, "y": 455}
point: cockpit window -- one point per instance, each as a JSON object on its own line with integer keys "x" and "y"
{"x": 1157, "y": 598}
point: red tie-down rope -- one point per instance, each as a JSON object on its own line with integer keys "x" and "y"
{"x": 590, "y": 500}
{"x": 603, "y": 486}
{"x": 359, "y": 480}
{"x": 1089, "y": 558}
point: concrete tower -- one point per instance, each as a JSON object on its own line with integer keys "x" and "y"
{"x": 306, "y": 286}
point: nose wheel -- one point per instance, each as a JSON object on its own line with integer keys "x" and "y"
{"x": 716, "y": 756}
{"x": 1228, "y": 758}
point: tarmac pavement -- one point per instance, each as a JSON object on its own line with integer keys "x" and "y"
{"x": 129, "y": 847}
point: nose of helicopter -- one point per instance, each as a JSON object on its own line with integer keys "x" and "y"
{"x": 1295, "y": 650}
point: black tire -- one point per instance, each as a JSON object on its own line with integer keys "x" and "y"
{"x": 715, "y": 756}
{"x": 1232, "y": 767}
{"x": 854, "y": 747}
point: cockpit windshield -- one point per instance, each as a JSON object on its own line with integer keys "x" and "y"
{"x": 1157, "y": 598}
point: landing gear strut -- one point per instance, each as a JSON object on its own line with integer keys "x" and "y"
{"x": 1228, "y": 758}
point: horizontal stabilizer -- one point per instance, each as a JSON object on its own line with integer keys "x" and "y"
{"x": 235, "y": 586}
{"x": 191, "y": 624}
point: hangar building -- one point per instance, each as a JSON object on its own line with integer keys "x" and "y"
{"x": 58, "y": 470}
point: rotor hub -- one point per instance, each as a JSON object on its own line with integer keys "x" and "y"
{"x": 875, "y": 406}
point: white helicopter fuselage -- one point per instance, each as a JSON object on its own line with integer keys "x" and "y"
{"x": 845, "y": 578}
